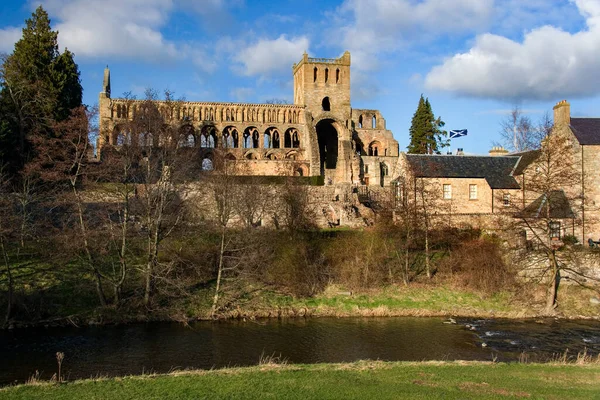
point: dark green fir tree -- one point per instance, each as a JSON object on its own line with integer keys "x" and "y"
{"x": 39, "y": 86}
{"x": 426, "y": 133}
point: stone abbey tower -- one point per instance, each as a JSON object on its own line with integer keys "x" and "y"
{"x": 319, "y": 135}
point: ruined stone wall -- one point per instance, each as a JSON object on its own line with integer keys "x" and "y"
{"x": 373, "y": 137}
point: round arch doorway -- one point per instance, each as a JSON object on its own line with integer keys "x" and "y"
{"x": 327, "y": 137}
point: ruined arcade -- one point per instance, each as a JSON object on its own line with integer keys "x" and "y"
{"x": 319, "y": 135}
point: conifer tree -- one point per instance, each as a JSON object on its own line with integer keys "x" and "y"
{"x": 426, "y": 134}
{"x": 38, "y": 87}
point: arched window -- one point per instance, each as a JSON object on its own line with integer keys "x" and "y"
{"x": 326, "y": 74}
{"x": 207, "y": 164}
{"x": 123, "y": 139}
{"x": 326, "y": 104}
{"x": 315, "y": 74}
{"x": 374, "y": 122}
{"x": 384, "y": 169}
{"x": 360, "y": 121}
{"x": 295, "y": 139}
{"x": 287, "y": 139}
{"x": 337, "y": 75}
{"x": 374, "y": 148}
{"x": 276, "y": 139}
{"x": 208, "y": 138}
{"x": 230, "y": 137}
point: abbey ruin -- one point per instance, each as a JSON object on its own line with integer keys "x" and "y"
{"x": 320, "y": 134}
{"x": 356, "y": 158}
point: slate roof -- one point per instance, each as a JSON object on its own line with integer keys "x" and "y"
{"x": 497, "y": 171}
{"x": 559, "y": 207}
{"x": 527, "y": 158}
{"x": 586, "y": 130}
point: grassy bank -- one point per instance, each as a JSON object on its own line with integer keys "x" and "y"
{"x": 414, "y": 300}
{"x": 360, "y": 380}
{"x": 417, "y": 300}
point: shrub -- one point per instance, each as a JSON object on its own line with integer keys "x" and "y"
{"x": 478, "y": 265}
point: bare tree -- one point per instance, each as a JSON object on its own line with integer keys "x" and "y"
{"x": 553, "y": 213}
{"x": 518, "y": 133}
{"x": 163, "y": 164}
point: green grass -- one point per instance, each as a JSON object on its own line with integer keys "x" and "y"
{"x": 415, "y": 300}
{"x": 360, "y": 380}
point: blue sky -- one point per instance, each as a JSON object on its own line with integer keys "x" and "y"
{"x": 474, "y": 59}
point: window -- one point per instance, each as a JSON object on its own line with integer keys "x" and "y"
{"x": 506, "y": 200}
{"x": 326, "y": 74}
{"x": 447, "y": 191}
{"x": 472, "y": 192}
{"x": 554, "y": 229}
{"x": 366, "y": 169}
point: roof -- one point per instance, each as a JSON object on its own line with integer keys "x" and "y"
{"x": 497, "y": 171}
{"x": 586, "y": 130}
{"x": 527, "y": 158}
{"x": 559, "y": 206}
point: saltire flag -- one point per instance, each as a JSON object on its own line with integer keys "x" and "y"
{"x": 457, "y": 133}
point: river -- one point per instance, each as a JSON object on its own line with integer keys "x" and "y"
{"x": 163, "y": 347}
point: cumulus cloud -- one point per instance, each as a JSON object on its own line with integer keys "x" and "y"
{"x": 8, "y": 38}
{"x": 385, "y": 25}
{"x": 548, "y": 63}
{"x": 116, "y": 28}
{"x": 267, "y": 56}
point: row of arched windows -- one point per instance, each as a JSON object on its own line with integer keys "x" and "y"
{"x": 338, "y": 75}
{"x": 231, "y": 114}
{"x": 209, "y": 137}
{"x": 362, "y": 125}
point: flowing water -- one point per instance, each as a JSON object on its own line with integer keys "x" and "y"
{"x": 163, "y": 347}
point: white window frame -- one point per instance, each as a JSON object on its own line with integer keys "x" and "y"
{"x": 447, "y": 191}
{"x": 472, "y": 192}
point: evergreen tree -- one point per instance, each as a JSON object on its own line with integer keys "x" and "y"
{"x": 38, "y": 87}
{"x": 65, "y": 74}
{"x": 426, "y": 134}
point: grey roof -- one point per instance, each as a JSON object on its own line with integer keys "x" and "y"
{"x": 559, "y": 207}
{"x": 497, "y": 171}
{"x": 586, "y": 130}
{"x": 527, "y": 158}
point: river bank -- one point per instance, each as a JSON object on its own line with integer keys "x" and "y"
{"x": 417, "y": 300}
{"x": 363, "y": 379}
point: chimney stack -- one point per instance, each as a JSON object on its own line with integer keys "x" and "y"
{"x": 562, "y": 113}
{"x": 497, "y": 151}
{"x": 460, "y": 152}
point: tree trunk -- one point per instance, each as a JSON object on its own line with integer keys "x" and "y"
{"x": 551, "y": 300}
{"x": 10, "y": 293}
{"x": 427, "y": 266}
{"x": 219, "y": 274}
{"x": 96, "y": 272}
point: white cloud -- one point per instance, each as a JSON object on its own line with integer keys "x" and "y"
{"x": 8, "y": 38}
{"x": 268, "y": 56}
{"x": 386, "y": 25}
{"x": 113, "y": 28}
{"x": 548, "y": 63}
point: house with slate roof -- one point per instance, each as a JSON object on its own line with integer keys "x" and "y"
{"x": 501, "y": 184}
{"x": 584, "y": 135}
{"x": 468, "y": 185}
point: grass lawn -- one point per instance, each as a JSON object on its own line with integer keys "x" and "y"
{"x": 360, "y": 380}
